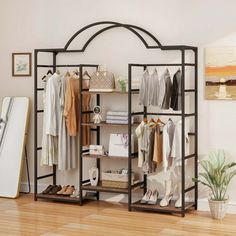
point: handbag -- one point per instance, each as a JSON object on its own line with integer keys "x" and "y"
{"x": 102, "y": 81}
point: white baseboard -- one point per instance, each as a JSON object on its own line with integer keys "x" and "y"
{"x": 204, "y": 206}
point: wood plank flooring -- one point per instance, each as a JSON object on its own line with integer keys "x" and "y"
{"x": 26, "y": 217}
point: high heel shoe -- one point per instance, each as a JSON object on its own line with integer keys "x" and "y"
{"x": 153, "y": 198}
{"x": 146, "y": 196}
{"x": 168, "y": 194}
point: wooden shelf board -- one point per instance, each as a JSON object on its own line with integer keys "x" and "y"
{"x": 99, "y": 188}
{"x": 58, "y": 198}
{"x": 103, "y": 123}
{"x": 114, "y": 92}
{"x": 171, "y": 208}
{"x": 108, "y": 157}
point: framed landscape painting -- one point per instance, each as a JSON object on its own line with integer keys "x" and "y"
{"x": 21, "y": 64}
{"x": 220, "y": 73}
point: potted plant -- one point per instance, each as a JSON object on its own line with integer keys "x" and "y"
{"x": 216, "y": 176}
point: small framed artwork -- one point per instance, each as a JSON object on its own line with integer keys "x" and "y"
{"x": 21, "y": 64}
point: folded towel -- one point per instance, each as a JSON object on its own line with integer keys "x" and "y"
{"x": 118, "y": 121}
{"x": 117, "y": 113}
{"x": 117, "y": 117}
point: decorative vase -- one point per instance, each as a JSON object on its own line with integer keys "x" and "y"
{"x": 218, "y": 208}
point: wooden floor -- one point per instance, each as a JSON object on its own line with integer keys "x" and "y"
{"x": 26, "y": 217}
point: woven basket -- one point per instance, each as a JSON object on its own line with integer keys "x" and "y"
{"x": 218, "y": 208}
{"x": 114, "y": 184}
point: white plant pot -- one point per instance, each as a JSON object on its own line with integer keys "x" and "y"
{"x": 218, "y": 208}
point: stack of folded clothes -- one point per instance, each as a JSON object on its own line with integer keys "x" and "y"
{"x": 118, "y": 117}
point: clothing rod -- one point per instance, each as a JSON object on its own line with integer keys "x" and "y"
{"x": 189, "y": 90}
{"x": 45, "y": 176}
{"x": 163, "y": 114}
{"x": 163, "y": 64}
{"x": 189, "y": 156}
{"x": 40, "y": 89}
{"x": 69, "y": 65}
{"x": 189, "y": 189}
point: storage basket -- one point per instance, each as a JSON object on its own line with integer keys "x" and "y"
{"x": 115, "y": 180}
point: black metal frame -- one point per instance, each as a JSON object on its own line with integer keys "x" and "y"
{"x": 139, "y": 32}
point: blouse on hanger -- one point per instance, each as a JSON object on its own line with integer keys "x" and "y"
{"x": 154, "y": 89}
{"x": 157, "y": 150}
{"x": 167, "y": 91}
{"x": 176, "y": 92}
{"x": 144, "y": 87}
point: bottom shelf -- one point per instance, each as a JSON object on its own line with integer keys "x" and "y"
{"x": 63, "y": 198}
{"x": 58, "y": 198}
{"x": 168, "y": 209}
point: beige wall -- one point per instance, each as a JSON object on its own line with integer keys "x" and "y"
{"x": 29, "y": 24}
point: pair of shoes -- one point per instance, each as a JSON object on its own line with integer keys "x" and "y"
{"x": 66, "y": 190}
{"x": 150, "y": 197}
{"x": 52, "y": 189}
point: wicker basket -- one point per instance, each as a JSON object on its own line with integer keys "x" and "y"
{"x": 218, "y": 208}
{"x": 114, "y": 184}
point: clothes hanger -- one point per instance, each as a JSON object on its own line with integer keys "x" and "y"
{"x": 145, "y": 120}
{"x": 86, "y": 74}
{"x": 48, "y": 73}
{"x": 67, "y": 73}
{"x": 159, "y": 122}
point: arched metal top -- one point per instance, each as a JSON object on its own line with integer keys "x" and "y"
{"x": 132, "y": 28}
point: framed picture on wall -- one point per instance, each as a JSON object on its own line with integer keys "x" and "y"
{"x": 21, "y": 64}
{"x": 220, "y": 73}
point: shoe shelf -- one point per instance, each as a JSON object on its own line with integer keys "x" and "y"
{"x": 58, "y": 198}
{"x": 157, "y": 208}
{"x": 100, "y": 188}
{"x": 103, "y": 123}
{"x": 134, "y": 156}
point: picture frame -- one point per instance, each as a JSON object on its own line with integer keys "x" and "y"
{"x": 21, "y": 64}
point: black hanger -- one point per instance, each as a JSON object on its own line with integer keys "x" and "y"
{"x": 86, "y": 74}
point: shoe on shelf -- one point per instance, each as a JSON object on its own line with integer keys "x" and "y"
{"x": 55, "y": 189}
{"x": 48, "y": 189}
{"x": 75, "y": 194}
{"x": 153, "y": 198}
{"x": 69, "y": 191}
{"x": 168, "y": 194}
{"x": 166, "y": 200}
{"x": 62, "y": 190}
{"x": 146, "y": 196}
{"x": 178, "y": 203}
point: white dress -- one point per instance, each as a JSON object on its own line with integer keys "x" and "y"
{"x": 176, "y": 152}
{"x": 51, "y": 121}
{"x": 168, "y": 135}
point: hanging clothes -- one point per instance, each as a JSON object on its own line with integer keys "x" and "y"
{"x": 168, "y": 135}
{"x": 158, "y": 142}
{"x": 176, "y": 92}
{"x": 143, "y": 90}
{"x": 67, "y": 145}
{"x": 154, "y": 89}
{"x": 51, "y": 121}
{"x": 139, "y": 132}
{"x": 168, "y": 90}
{"x": 71, "y": 108}
{"x": 147, "y": 149}
{"x": 176, "y": 152}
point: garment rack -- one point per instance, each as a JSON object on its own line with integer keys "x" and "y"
{"x": 84, "y": 184}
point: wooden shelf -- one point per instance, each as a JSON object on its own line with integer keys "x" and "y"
{"x": 135, "y": 91}
{"x": 103, "y": 123}
{"x": 109, "y": 157}
{"x": 58, "y": 198}
{"x": 99, "y": 188}
{"x": 168, "y": 209}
